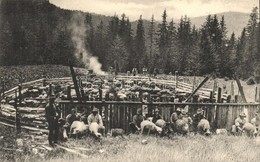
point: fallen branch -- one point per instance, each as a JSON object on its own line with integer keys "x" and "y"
{"x": 72, "y": 151}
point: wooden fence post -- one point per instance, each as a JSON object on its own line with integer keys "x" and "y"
{"x": 17, "y": 116}
{"x": 211, "y": 97}
{"x": 219, "y": 95}
{"x": 20, "y": 94}
{"x": 256, "y": 94}
{"x": 44, "y": 80}
{"x": 3, "y": 96}
{"x": 236, "y": 98}
{"x": 100, "y": 94}
{"x": 82, "y": 95}
{"x": 259, "y": 95}
{"x": 69, "y": 92}
{"x": 50, "y": 89}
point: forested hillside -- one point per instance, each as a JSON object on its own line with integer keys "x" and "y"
{"x": 37, "y": 32}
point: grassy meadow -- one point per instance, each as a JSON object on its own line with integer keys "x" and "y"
{"x": 194, "y": 148}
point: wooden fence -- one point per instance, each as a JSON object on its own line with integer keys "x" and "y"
{"x": 118, "y": 114}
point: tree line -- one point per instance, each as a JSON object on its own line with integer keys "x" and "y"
{"x": 36, "y": 32}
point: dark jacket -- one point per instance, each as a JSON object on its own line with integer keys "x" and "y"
{"x": 52, "y": 112}
{"x": 197, "y": 118}
{"x": 156, "y": 117}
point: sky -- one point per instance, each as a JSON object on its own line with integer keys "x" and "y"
{"x": 175, "y": 8}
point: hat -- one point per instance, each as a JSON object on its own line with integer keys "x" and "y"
{"x": 95, "y": 109}
{"x": 200, "y": 110}
{"x": 242, "y": 114}
{"x": 178, "y": 109}
{"x": 184, "y": 112}
{"x": 156, "y": 110}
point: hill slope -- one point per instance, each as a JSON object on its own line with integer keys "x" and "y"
{"x": 235, "y": 21}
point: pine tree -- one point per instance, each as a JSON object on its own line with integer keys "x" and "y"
{"x": 139, "y": 46}
{"x": 101, "y": 45}
{"x": 118, "y": 55}
{"x": 251, "y": 54}
{"x": 152, "y": 45}
{"x": 184, "y": 46}
{"x": 163, "y": 43}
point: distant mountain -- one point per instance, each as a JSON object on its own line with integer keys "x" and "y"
{"x": 235, "y": 21}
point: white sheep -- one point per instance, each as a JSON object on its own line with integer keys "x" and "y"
{"x": 166, "y": 127}
{"x": 204, "y": 127}
{"x": 146, "y": 124}
{"x": 221, "y": 131}
{"x": 249, "y": 129}
{"x": 181, "y": 127}
{"x": 94, "y": 128}
{"x": 78, "y": 127}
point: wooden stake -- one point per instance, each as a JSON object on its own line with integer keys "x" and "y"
{"x": 219, "y": 95}
{"x": 255, "y": 94}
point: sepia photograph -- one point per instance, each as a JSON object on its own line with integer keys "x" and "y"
{"x": 129, "y": 80}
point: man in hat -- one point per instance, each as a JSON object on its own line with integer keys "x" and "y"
{"x": 156, "y": 115}
{"x": 176, "y": 115}
{"x": 186, "y": 117}
{"x": 239, "y": 123}
{"x": 135, "y": 125}
{"x": 70, "y": 118}
{"x": 95, "y": 117}
{"x": 197, "y": 117}
{"x": 52, "y": 114}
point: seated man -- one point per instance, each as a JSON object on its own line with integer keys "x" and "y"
{"x": 186, "y": 117}
{"x": 239, "y": 123}
{"x": 94, "y": 117}
{"x": 70, "y": 118}
{"x": 174, "y": 117}
{"x": 135, "y": 125}
{"x": 196, "y": 119}
{"x": 156, "y": 116}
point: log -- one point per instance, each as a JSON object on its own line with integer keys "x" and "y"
{"x": 241, "y": 89}
{"x": 47, "y": 148}
{"x": 31, "y": 110}
{"x": 72, "y": 151}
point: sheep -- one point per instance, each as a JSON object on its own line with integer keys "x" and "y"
{"x": 78, "y": 128}
{"x": 117, "y": 132}
{"x": 249, "y": 129}
{"x": 221, "y": 131}
{"x": 166, "y": 128}
{"x": 150, "y": 126}
{"x": 204, "y": 127}
{"x": 94, "y": 128}
{"x": 181, "y": 127}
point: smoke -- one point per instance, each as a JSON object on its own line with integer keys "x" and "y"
{"x": 78, "y": 31}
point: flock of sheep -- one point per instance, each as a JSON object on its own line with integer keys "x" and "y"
{"x": 161, "y": 128}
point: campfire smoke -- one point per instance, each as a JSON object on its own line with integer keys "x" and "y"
{"x": 78, "y": 31}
